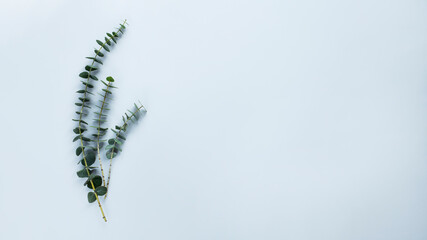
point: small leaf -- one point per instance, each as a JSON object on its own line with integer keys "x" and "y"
{"x": 87, "y": 84}
{"x": 84, "y": 75}
{"x": 110, "y": 79}
{"x": 109, "y": 147}
{"x": 99, "y": 53}
{"x": 107, "y": 41}
{"x": 107, "y": 91}
{"x": 84, "y": 99}
{"x": 86, "y": 139}
{"x": 111, "y": 141}
{"x": 90, "y": 158}
{"x": 76, "y": 130}
{"x": 106, "y": 84}
{"x": 91, "y": 68}
{"x": 117, "y": 141}
{"x": 101, "y": 190}
{"x": 106, "y": 48}
{"x": 97, "y": 181}
{"x": 82, "y": 173}
{"x": 121, "y": 136}
{"x": 79, "y": 151}
{"x": 91, "y": 197}
{"x": 112, "y": 38}
{"x": 94, "y": 59}
{"x": 81, "y": 91}
{"x": 93, "y": 77}
{"x": 79, "y": 104}
{"x": 100, "y": 43}
{"x": 111, "y": 154}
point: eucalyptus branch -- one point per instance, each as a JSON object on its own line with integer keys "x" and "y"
{"x": 101, "y": 119}
{"x": 89, "y": 157}
{"x": 114, "y": 143}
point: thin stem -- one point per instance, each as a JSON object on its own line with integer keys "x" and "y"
{"x": 99, "y": 131}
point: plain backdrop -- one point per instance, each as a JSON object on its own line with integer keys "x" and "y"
{"x": 268, "y": 119}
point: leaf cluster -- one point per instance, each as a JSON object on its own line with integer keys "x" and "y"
{"x": 90, "y": 142}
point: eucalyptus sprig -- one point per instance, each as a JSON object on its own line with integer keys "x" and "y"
{"x": 114, "y": 144}
{"x": 90, "y": 145}
{"x": 101, "y": 119}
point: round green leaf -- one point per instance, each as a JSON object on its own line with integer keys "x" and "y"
{"x": 90, "y": 158}
{"x": 111, "y": 154}
{"x": 101, "y": 190}
{"x": 82, "y": 173}
{"x": 91, "y": 197}
{"x": 96, "y": 179}
{"x": 91, "y": 68}
{"x": 79, "y": 151}
{"x": 110, "y": 79}
{"x": 84, "y": 75}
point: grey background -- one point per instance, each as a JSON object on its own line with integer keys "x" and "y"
{"x": 266, "y": 119}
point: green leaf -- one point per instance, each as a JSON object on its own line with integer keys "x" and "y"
{"x": 86, "y": 139}
{"x": 93, "y": 77}
{"x": 91, "y": 197}
{"x": 115, "y": 34}
{"x": 76, "y": 130}
{"x": 84, "y": 99}
{"x": 107, "y": 91}
{"x": 76, "y": 138}
{"x": 111, "y": 141}
{"x": 99, "y": 53}
{"x": 97, "y": 181}
{"x": 91, "y": 68}
{"x": 110, "y": 79}
{"x": 118, "y": 141}
{"x": 101, "y": 190}
{"x": 84, "y": 75}
{"x": 121, "y": 136}
{"x": 94, "y": 59}
{"x": 87, "y": 84}
{"x": 82, "y": 173}
{"x": 81, "y": 91}
{"x": 109, "y": 147}
{"x": 78, "y": 104}
{"x": 90, "y": 158}
{"x": 100, "y": 43}
{"x": 112, "y": 38}
{"x": 106, "y": 48}
{"x": 111, "y": 154}
{"x": 79, "y": 151}
{"x": 107, "y": 41}
{"x": 80, "y": 121}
